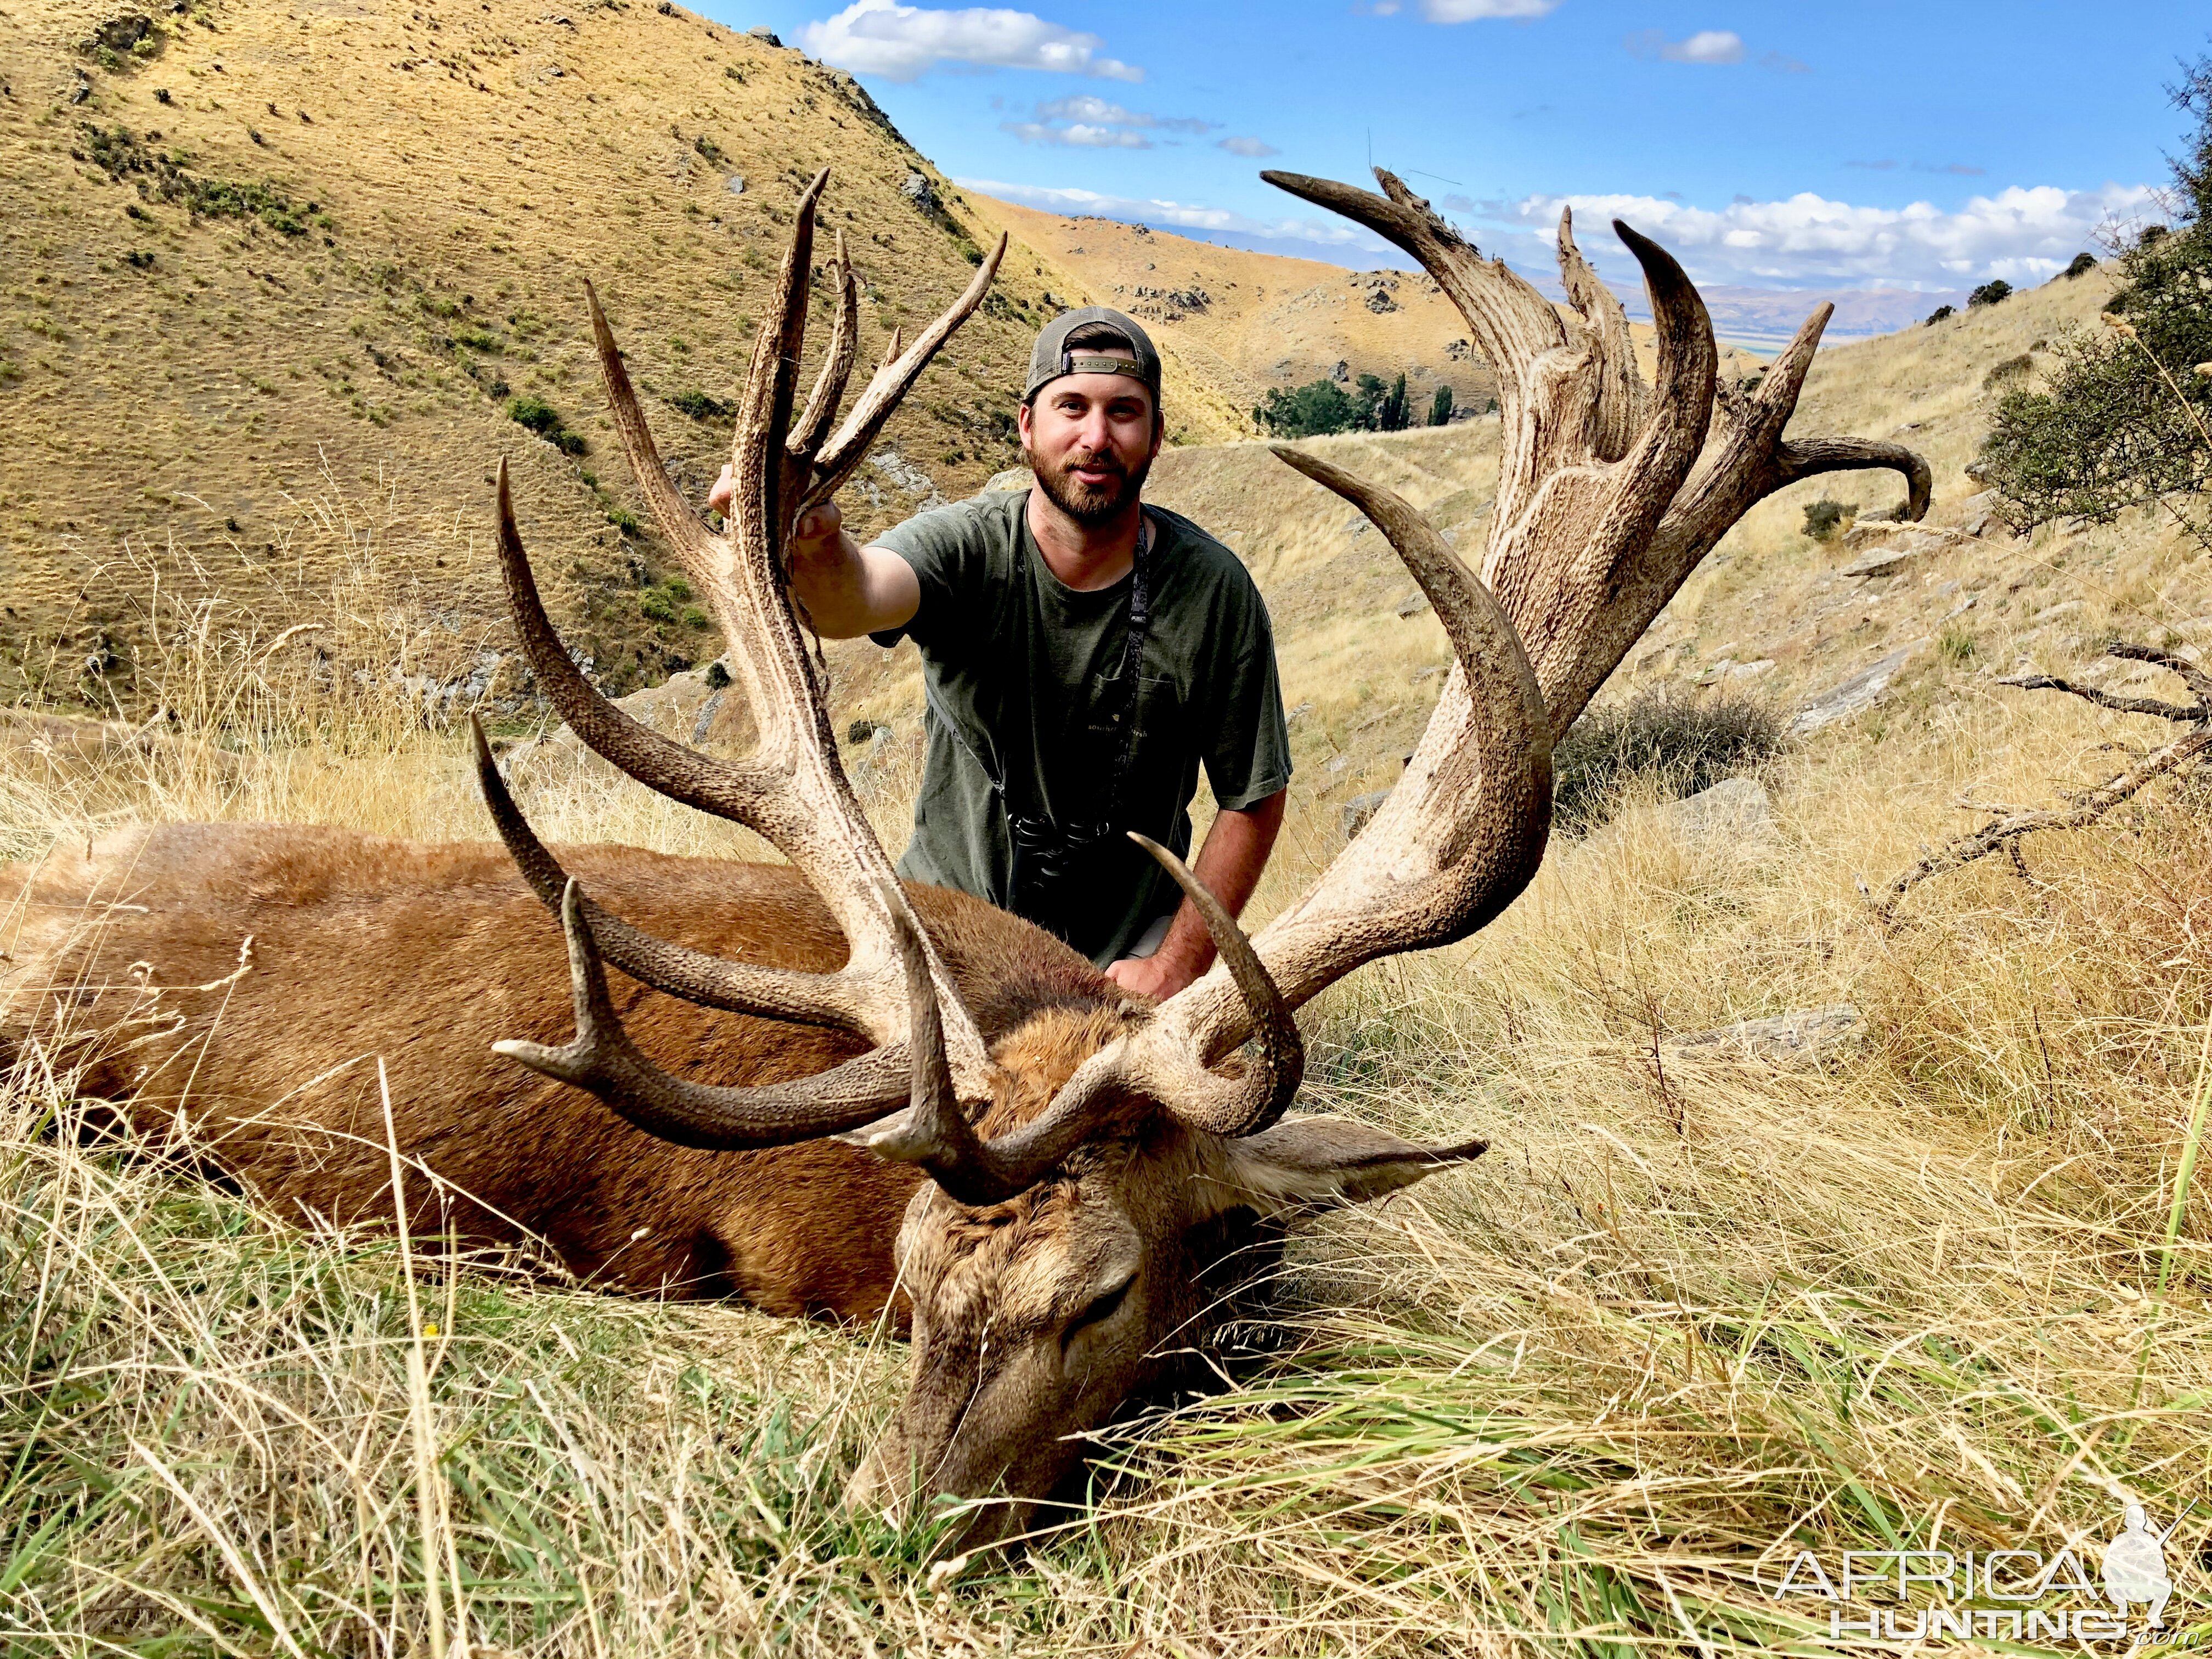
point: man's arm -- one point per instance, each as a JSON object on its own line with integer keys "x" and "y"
{"x": 1229, "y": 866}
{"x": 848, "y": 589}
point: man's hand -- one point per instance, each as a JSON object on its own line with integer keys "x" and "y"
{"x": 1229, "y": 866}
{"x": 846, "y": 589}
{"x": 1153, "y": 976}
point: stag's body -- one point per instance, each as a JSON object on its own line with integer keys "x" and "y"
{"x": 424, "y": 955}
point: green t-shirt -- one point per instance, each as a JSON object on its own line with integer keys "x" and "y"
{"x": 1023, "y": 673}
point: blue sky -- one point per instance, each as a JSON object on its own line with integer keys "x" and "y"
{"x": 1915, "y": 145}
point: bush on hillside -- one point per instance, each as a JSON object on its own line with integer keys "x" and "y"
{"x": 704, "y": 406}
{"x": 2082, "y": 265}
{"x": 1683, "y": 739}
{"x": 1991, "y": 294}
{"x": 1940, "y": 312}
{"x": 1321, "y": 407}
{"x": 534, "y": 414}
{"x": 1440, "y": 407}
{"x": 1825, "y": 520}
{"x": 2122, "y": 419}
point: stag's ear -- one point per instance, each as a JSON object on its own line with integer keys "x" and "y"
{"x": 1318, "y": 1162}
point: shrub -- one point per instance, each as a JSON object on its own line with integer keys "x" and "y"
{"x": 1440, "y": 407}
{"x": 695, "y": 618}
{"x": 700, "y": 406}
{"x": 626, "y": 521}
{"x": 2082, "y": 265}
{"x": 1683, "y": 739}
{"x": 655, "y": 606}
{"x": 2122, "y": 417}
{"x": 1313, "y": 410}
{"x": 1825, "y": 520}
{"x": 1956, "y": 644}
{"x": 1940, "y": 312}
{"x": 1991, "y": 294}
{"x": 2012, "y": 368}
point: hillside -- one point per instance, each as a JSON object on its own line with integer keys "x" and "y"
{"x": 278, "y": 263}
{"x": 1246, "y": 322}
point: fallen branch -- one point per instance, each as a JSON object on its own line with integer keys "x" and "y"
{"x": 2005, "y": 831}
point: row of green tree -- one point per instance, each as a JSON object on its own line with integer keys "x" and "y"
{"x": 1321, "y": 407}
{"x": 2124, "y": 416}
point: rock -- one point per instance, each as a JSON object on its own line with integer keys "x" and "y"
{"x": 866, "y": 731}
{"x": 124, "y": 31}
{"x": 1853, "y": 695}
{"x": 1352, "y": 817}
{"x": 736, "y": 183}
{"x": 917, "y": 189}
{"x": 1380, "y": 302}
{"x": 1014, "y": 477}
{"x": 1751, "y": 671}
{"x": 1734, "y": 810}
{"x": 2057, "y": 612}
{"x": 1805, "y": 1038}
{"x": 1897, "y": 548}
{"x": 1341, "y": 373}
{"x": 1411, "y": 605}
{"x": 763, "y": 31}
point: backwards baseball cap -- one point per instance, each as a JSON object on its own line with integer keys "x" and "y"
{"x": 1051, "y": 357}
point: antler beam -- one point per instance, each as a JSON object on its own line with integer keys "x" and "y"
{"x": 792, "y": 790}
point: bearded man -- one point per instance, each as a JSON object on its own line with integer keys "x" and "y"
{"x": 1082, "y": 655}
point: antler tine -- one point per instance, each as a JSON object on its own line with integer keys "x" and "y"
{"x": 1457, "y": 840}
{"x": 671, "y": 513}
{"x": 836, "y": 367}
{"x": 711, "y": 981}
{"x": 933, "y": 1133}
{"x": 603, "y": 1060}
{"x": 1258, "y": 1100}
{"x": 841, "y": 456}
{"x": 761, "y": 468}
{"x": 890, "y": 350}
{"x": 1624, "y": 403}
{"x": 727, "y": 789}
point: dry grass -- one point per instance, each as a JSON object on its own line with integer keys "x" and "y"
{"x": 1684, "y": 1317}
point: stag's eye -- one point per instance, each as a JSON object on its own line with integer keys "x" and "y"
{"x": 1102, "y": 1309}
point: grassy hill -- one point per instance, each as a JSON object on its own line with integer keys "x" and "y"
{"x": 277, "y": 258}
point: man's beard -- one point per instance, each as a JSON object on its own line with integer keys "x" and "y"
{"x": 1088, "y": 504}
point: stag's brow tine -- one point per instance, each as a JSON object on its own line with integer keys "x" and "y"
{"x": 603, "y": 1060}
{"x": 722, "y": 789}
{"x": 1259, "y": 1100}
{"x": 836, "y": 367}
{"x": 670, "y": 511}
{"x": 711, "y": 981}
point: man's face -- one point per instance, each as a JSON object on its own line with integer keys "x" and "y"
{"x": 1091, "y": 439}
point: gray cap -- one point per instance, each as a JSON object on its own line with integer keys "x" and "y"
{"x": 1051, "y": 358}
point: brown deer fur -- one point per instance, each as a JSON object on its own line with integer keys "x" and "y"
{"x": 426, "y": 954}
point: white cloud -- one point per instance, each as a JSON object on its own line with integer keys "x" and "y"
{"x": 1469, "y": 11}
{"x": 1250, "y": 148}
{"x": 2020, "y": 234}
{"x": 901, "y": 43}
{"x": 1101, "y": 112}
{"x": 1333, "y": 233}
{"x": 1705, "y": 46}
{"x": 1078, "y": 133}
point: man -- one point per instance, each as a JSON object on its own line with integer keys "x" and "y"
{"x": 1062, "y": 712}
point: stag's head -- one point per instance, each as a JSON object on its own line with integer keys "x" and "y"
{"x": 1102, "y": 1170}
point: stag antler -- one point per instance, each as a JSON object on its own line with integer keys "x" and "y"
{"x": 1609, "y": 492}
{"x": 792, "y": 790}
